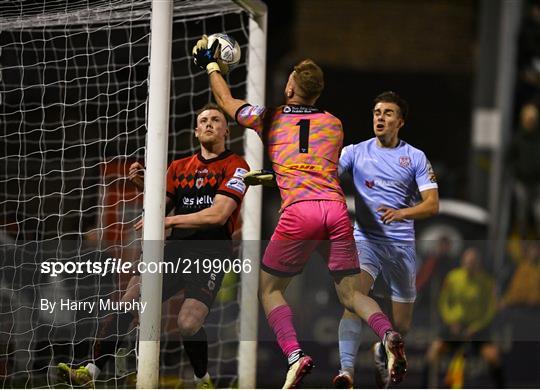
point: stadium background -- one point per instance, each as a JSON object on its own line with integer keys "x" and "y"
{"x": 442, "y": 56}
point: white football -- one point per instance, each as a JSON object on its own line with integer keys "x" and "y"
{"x": 230, "y": 49}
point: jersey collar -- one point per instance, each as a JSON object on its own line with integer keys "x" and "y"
{"x": 226, "y": 153}
{"x": 399, "y": 144}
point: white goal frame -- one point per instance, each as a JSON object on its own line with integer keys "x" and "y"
{"x": 154, "y": 199}
{"x": 154, "y": 189}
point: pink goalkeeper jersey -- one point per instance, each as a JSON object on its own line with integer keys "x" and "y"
{"x": 303, "y": 144}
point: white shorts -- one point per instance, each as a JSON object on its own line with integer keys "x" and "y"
{"x": 396, "y": 263}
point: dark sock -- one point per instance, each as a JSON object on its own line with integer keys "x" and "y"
{"x": 111, "y": 331}
{"x": 196, "y": 347}
{"x": 171, "y": 352}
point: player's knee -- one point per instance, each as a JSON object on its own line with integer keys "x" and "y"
{"x": 188, "y": 325}
{"x": 347, "y": 300}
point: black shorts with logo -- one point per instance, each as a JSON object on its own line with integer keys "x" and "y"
{"x": 193, "y": 273}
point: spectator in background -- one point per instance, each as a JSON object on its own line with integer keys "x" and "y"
{"x": 524, "y": 287}
{"x": 436, "y": 265}
{"x": 520, "y": 315}
{"x": 524, "y": 159}
{"x": 467, "y": 305}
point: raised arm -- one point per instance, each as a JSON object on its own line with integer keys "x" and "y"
{"x": 223, "y": 96}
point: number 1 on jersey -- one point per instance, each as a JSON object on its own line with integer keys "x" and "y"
{"x": 303, "y": 146}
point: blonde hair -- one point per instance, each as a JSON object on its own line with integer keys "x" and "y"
{"x": 309, "y": 78}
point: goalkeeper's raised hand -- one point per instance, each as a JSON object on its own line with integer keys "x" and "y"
{"x": 208, "y": 57}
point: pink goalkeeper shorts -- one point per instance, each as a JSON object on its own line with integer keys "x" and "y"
{"x": 308, "y": 225}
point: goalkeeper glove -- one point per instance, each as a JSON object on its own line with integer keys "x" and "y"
{"x": 208, "y": 58}
{"x": 265, "y": 177}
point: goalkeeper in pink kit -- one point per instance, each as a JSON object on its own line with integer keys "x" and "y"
{"x": 304, "y": 144}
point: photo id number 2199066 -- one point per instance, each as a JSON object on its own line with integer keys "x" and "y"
{"x": 208, "y": 266}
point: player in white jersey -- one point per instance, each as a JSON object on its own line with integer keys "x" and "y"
{"x": 388, "y": 173}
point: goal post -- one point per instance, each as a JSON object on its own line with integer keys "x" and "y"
{"x": 251, "y": 211}
{"x": 252, "y": 207}
{"x": 154, "y": 189}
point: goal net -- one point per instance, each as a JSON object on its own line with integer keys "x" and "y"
{"x": 73, "y": 100}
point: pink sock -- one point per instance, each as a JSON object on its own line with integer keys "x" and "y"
{"x": 380, "y": 324}
{"x": 280, "y": 320}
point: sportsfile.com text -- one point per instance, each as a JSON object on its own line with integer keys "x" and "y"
{"x": 114, "y": 265}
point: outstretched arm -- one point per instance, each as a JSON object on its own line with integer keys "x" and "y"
{"x": 223, "y": 96}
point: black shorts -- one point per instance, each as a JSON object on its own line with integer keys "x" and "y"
{"x": 200, "y": 279}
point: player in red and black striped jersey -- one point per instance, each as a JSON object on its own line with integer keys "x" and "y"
{"x": 205, "y": 190}
{"x": 193, "y": 183}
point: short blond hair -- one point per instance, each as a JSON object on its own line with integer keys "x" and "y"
{"x": 309, "y": 78}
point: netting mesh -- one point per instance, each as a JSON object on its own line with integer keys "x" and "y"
{"x": 73, "y": 98}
